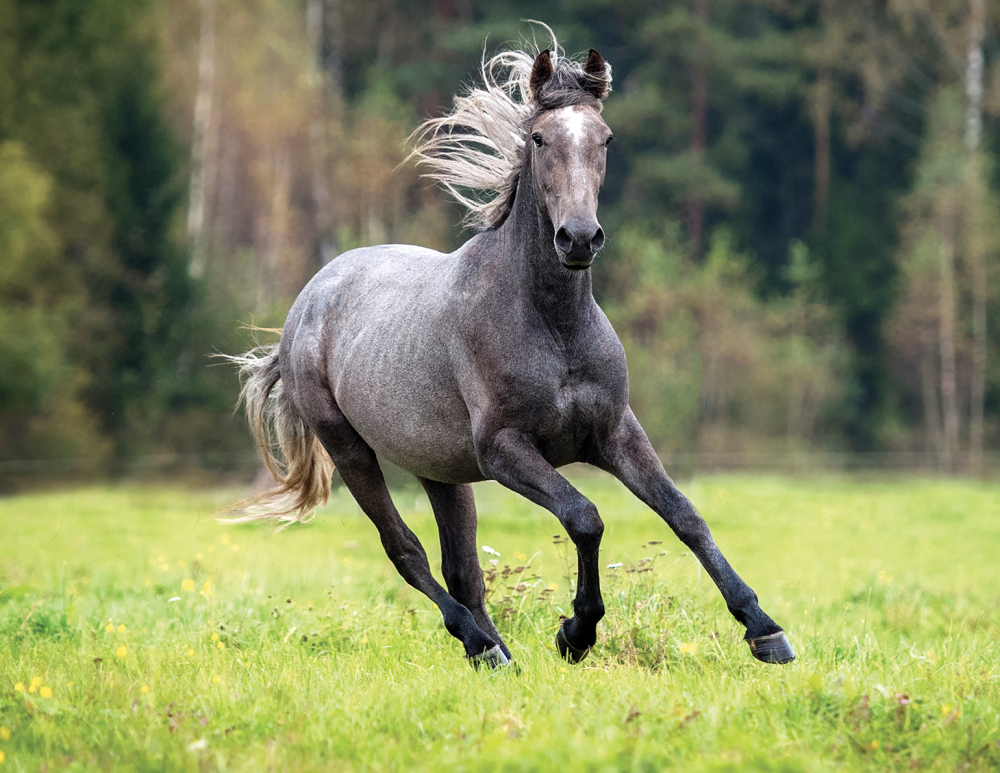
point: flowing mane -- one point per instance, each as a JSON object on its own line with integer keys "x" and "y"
{"x": 475, "y": 151}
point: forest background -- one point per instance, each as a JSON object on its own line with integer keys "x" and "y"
{"x": 802, "y": 210}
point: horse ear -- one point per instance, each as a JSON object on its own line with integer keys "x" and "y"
{"x": 541, "y": 71}
{"x": 597, "y": 74}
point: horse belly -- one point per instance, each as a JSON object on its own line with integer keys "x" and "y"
{"x": 416, "y": 419}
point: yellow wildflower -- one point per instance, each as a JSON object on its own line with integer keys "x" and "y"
{"x": 217, "y": 679}
{"x": 182, "y": 564}
{"x": 144, "y": 689}
{"x": 147, "y": 582}
{"x": 4, "y": 733}
{"x": 121, "y": 628}
{"x": 45, "y": 692}
{"x": 19, "y": 686}
{"x": 689, "y": 648}
{"x": 190, "y": 653}
{"x": 121, "y": 652}
{"x": 215, "y": 637}
{"x": 225, "y": 539}
{"x": 236, "y": 547}
{"x": 221, "y": 645}
{"x": 200, "y": 556}
{"x": 164, "y": 566}
{"x": 2, "y": 756}
{"x": 36, "y": 682}
{"x": 109, "y": 627}
{"x": 188, "y": 585}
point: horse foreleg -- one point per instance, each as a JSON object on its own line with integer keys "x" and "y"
{"x": 455, "y": 512}
{"x": 362, "y": 475}
{"x": 628, "y": 455}
{"x": 509, "y": 458}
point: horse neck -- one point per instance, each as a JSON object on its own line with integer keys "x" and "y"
{"x": 559, "y": 295}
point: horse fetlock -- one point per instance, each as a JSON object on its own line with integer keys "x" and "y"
{"x": 572, "y": 649}
{"x": 590, "y": 611}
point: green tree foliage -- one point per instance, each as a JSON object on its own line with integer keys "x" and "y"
{"x": 713, "y": 366}
{"x": 950, "y": 220}
{"x": 82, "y": 126}
{"x": 773, "y": 205}
{"x": 41, "y": 410}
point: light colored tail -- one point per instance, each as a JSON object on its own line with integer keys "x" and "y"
{"x": 292, "y": 453}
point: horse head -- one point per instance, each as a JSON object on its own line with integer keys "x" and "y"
{"x": 567, "y": 153}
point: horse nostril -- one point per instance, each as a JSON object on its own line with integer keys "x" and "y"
{"x": 563, "y": 240}
{"x": 597, "y": 240}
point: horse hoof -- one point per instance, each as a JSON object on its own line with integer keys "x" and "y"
{"x": 566, "y": 650}
{"x": 773, "y": 648}
{"x": 491, "y": 658}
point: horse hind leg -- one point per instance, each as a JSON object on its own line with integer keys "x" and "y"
{"x": 362, "y": 475}
{"x": 455, "y": 512}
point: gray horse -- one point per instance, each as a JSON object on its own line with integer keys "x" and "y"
{"x": 491, "y": 363}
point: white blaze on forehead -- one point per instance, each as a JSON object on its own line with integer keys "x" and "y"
{"x": 573, "y": 121}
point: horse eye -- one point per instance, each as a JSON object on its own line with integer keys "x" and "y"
{"x": 537, "y": 139}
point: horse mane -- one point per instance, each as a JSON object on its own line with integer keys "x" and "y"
{"x": 475, "y": 151}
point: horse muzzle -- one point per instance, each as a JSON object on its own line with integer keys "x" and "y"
{"x": 578, "y": 243}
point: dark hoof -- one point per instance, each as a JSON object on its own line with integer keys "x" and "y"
{"x": 492, "y": 658}
{"x": 566, "y": 650}
{"x": 773, "y": 648}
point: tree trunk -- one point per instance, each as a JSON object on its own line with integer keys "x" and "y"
{"x": 333, "y": 50}
{"x": 699, "y": 125}
{"x": 977, "y": 252}
{"x": 199, "y": 139}
{"x": 822, "y": 129}
{"x": 949, "y": 392}
{"x": 275, "y": 231}
{"x": 822, "y": 106}
{"x": 928, "y": 389}
{"x": 318, "y": 142}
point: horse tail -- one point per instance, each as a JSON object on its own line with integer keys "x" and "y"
{"x": 291, "y": 451}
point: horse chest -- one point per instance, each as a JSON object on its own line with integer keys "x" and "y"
{"x": 561, "y": 406}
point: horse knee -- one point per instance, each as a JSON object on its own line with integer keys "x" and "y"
{"x": 583, "y": 523}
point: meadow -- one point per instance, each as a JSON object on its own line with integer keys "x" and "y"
{"x": 138, "y": 633}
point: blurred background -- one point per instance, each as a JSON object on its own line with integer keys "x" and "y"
{"x": 802, "y": 210}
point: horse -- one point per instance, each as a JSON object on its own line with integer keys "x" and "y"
{"x": 493, "y": 362}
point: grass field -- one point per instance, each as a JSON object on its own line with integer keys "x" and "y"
{"x": 138, "y": 633}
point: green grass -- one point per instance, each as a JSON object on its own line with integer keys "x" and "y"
{"x": 888, "y": 590}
